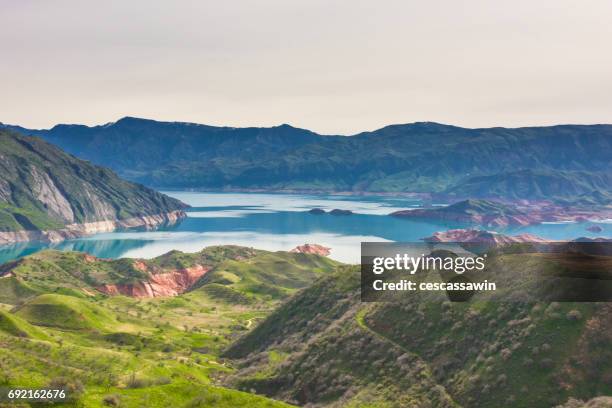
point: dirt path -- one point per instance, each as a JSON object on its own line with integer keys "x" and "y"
{"x": 360, "y": 318}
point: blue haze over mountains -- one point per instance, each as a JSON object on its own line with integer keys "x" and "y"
{"x": 571, "y": 163}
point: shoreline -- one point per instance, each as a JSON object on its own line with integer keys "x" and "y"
{"x": 297, "y": 192}
{"x": 73, "y": 231}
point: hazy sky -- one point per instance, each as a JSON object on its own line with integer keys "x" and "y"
{"x": 326, "y": 65}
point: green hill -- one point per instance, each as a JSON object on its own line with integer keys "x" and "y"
{"x": 324, "y": 347}
{"x": 267, "y": 326}
{"x": 533, "y": 184}
{"x": 16, "y": 326}
{"x": 133, "y": 352}
{"x": 271, "y": 275}
{"x": 315, "y": 350}
{"x": 14, "y": 290}
{"x": 234, "y": 274}
{"x": 592, "y": 199}
{"x": 43, "y": 188}
{"x": 65, "y": 312}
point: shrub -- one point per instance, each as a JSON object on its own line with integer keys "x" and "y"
{"x": 72, "y": 386}
{"x": 546, "y": 363}
{"x": 574, "y": 315}
{"x": 572, "y": 403}
{"x": 112, "y": 400}
{"x": 135, "y": 382}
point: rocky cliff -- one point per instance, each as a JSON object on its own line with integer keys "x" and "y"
{"x": 312, "y": 249}
{"x": 169, "y": 283}
{"x": 489, "y": 213}
{"x": 48, "y": 195}
{"x": 480, "y": 236}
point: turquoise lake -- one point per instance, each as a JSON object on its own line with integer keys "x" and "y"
{"x": 280, "y": 222}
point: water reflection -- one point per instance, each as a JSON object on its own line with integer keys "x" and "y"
{"x": 277, "y": 222}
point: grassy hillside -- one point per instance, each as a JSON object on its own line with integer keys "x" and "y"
{"x": 262, "y": 327}
{"x": 326, "y": 348}
{"x": 272, "y": 276}
{"x": 417, "y": 157}
{"x": 589, "y": 200}
{"x": 43, "y": 188}
{"x": 13, "y": 325}
{"x": 314, "y": 349}
{"x": 56, "y": 328}
{"x": 254, "y": 275}
{"x": 65, "y": 312}
{"x": 532, "y": 184}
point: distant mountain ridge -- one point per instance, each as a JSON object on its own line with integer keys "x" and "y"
{"x": 533, "y": 162}
{"x": 46, "y": 194}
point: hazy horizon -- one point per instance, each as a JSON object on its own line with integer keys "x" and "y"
{"x": 333, "y": 67}
{"x": 299, "y": 127}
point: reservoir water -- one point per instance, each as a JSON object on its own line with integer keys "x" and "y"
{"x": 280, "y": 222}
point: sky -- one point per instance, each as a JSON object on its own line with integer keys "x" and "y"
{"x": 335, "y": 67}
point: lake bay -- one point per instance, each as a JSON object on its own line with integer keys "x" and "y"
{"x": 280, "y": 222}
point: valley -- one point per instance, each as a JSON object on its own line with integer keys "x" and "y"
{"x": 313, "y": 204}
{"x": 421, "y": 351}
{"x": 128, "y": 297}
{"x": 57, "y": 326}
{"x": 260, "y": 328}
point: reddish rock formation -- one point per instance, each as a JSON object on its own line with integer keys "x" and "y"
{"x": 505, "y": 213}
{"x": 170, "y": 283}
{"x": 89, "y": 258}
{"x": 480, "y": 236}
{"x": 312, "y": 249}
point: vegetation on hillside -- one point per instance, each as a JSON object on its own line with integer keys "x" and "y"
{"x": 533, "y": 162}
{"x": 540, "y": 184}
{"x": 292, "y": 327}
{"x": 325, "y": 348}
{"x": 56, "y": 328}
{"x": 43, "y": 188}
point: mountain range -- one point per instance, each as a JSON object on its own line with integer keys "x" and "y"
{"x": 563, "y": 162}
